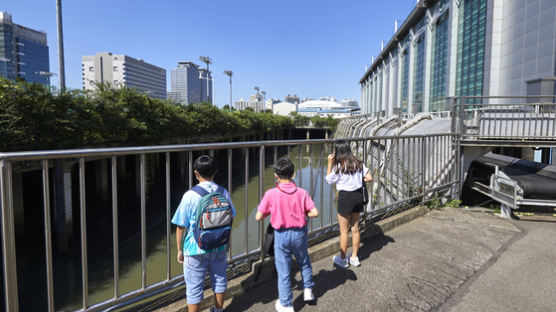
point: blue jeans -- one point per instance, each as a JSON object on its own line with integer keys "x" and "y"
{"x": 286, "y": 243}
{"x": 195, "y": 269}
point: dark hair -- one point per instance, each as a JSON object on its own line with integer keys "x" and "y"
{"x": 343, "y": 157}
{"x": 206, "y": 166}
{"x": 284, "y": 168}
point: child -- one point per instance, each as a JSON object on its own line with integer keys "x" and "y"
{"x": 196, "y": 261}
{"x": 347, "y": 172}
{"x": 288, "y": 206}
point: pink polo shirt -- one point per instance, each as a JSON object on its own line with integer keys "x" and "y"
{"x": 287, "y": 205}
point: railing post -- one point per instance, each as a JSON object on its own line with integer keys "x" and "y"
{"x": 246, "y": 201}
{"x": 454, "y": 103}
{"x": 168, "y": 218}
{"x": 462, "y": 116}
{"x": 424, "y": 168}
{"x": 83, "y": 223}
{"x": 261, "y": 192}
{"x": 230, "y": 192}
{"x": 115, "y": 234}
{"x": 47, "y": 235}
{"x": 143, "y": 179}
{"x": 459, "y": 173}
{"x": 8, "y": 237}
{"x": 365, "y": 214}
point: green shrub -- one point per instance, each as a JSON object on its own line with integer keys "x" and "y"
{"x": 33, "y": 117}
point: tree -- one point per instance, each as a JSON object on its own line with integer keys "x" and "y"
{"x": 32, "y": 117}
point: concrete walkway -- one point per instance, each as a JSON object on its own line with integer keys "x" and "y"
{"x": 447, "y": 260}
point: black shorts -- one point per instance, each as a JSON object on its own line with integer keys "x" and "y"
{"x": 350, "y": 202}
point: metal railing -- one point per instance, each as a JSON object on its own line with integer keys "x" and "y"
{"x": 408, "y": 170}
{"x": 506, "y": 118}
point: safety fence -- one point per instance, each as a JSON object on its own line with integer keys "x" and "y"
{"x": 501, "y": 119}
{"x": 407, "y": 170}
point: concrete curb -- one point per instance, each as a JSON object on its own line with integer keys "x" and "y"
{"x": 317, "y": 252}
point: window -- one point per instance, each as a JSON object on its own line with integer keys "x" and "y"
{"x": 439, "y": 64}
{"x": 91, "y": 69}
{"x": 471, "y": 47}
{"x": 115, "y": 68}
{"x": 418, "y": 77}
{"x": 405, "y": 80}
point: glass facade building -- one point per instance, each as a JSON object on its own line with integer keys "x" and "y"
{"x": 471, "y": 48}
{"x": 188, "y": 84}
{"x": 405, "y": 80}
{"x": 419, "y": 75}
{"x": 23, "y": 52}
{"x": 451, "y": 48}
{"x": 439, "y": 64}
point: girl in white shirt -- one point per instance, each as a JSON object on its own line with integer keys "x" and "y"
{"x": 347, "y": 172}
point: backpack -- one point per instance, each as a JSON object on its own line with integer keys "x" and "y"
{"x": 213, "y": 218}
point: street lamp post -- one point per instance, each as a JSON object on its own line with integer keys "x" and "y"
{"x": 61, "y": 66}
{"x": 264, "y": 98}
{"x": 207, "y": 60}
{"x": 257, "y": 95}
{"x": 230, "y": 74}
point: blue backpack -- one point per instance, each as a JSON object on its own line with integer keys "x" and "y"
{"x": 213, "y": 218}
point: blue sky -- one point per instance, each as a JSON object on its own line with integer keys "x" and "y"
{"x": 306, "y": 47}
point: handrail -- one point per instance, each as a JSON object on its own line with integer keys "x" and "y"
{"x": 121, "y": 151}
{"x": 409, "y": 176}
{"x": 517, "y": 120}
{"x": 501, "y": 96}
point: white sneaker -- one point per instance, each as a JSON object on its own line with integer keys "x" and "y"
{"x": 308, "y": 294}
{"x": 280, "y": 308}
{"x": 342, "y": 263}
{"x": 353, "y": 260}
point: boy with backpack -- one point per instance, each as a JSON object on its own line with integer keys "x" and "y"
{"x": 288, "y": 207}
{"x": 204, "y": 219}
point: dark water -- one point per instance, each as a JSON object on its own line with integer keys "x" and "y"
{"x": 67, "y": 265}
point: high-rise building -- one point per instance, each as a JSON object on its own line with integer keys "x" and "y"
{"x": 292, "y": 99}
{"x": 463, "y": 48}
{"x": 256, "y": 103}
{"x": 188, "y": 84}
{"x": 23, "y": 52}
{"x": 123, "y": 71}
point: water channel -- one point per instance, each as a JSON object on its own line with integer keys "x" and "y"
{"x": 310, "y": 165}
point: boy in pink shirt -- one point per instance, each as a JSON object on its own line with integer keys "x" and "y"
{"x": 288, "y": 207}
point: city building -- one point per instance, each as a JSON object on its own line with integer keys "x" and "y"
{"x": 256, "y": 102}
{"x": 284, "y": 108}
{"x": 327, "y": 106}
{"x": 349, "y": 103}
{"x": 188, "y": 84}
{"x": 121, "y": 70}
{"x": 292, "y": 99}
{"x": 23, "y": 52}
{"x": 451, "y": 48}
{"x": 269, "y": 104}
{"x": 241, "y": 104}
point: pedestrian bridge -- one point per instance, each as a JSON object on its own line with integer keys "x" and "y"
{"x": 89, "y": 229}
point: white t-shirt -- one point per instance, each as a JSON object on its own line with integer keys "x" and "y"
{"x": 346, "y": 182}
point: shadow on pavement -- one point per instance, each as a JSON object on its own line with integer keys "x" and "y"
{"x": 373, "y": 244}
{"x": 325, "y": 280}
